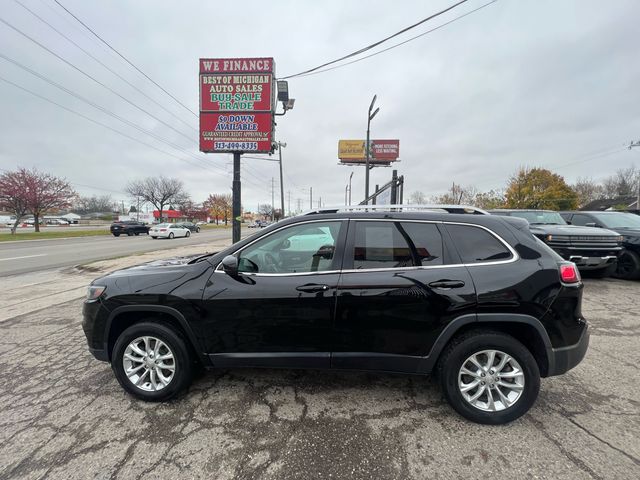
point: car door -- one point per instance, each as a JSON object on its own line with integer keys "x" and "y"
{"x": 400, "y": 285}
{"x": 278, "y": 310}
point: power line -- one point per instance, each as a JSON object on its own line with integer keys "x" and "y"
{"x": 99, "y": 107}
{"x": 403, "y": 42}
{"x": 92, "y": 78}
{"x": 98, "y": 123}
{"x": 373, "y": 45}
{"x": 89, "y": 54}
{"x": 125, "y": 59}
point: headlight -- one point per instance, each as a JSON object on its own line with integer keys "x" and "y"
{"x": 94, "y": 292}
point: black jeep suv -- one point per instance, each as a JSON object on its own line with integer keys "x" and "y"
{"x": 624, "y": 223}
{"x": 592, "y": 249}
{"x": 476, "y": 299}
{"x": 129, "y": 227}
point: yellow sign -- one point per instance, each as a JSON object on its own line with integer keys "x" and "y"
{"x": 351, "y": 149}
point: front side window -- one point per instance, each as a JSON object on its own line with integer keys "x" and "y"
{"x": 309, "y": 247}
{"x": 581, "y": 220}
{"x": 475, "y": 244}
{"x": 396, "y": 245}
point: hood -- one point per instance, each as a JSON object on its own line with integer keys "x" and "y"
{"x": 628, "y": 231}
{"x": 572, "y": 230}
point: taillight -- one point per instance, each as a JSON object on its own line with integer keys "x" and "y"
{"x": 569, "y": 273}
{"x": 163, "y": 229}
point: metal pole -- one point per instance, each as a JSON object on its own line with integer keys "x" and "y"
{"x": 394, "y": 187}
{"x": 273, "y": 207}
{"x": 280, "y": 145}
{"x": 366, "y": 175}
{"x": 346, "y": 189}
{"x": 235, "y": 209}
{"x": 310, "y": 198}
{"x": 350, "y": 177}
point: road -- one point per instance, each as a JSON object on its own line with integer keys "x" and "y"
{"x": 37, "y": 255}
{"x": 63, "y": 415}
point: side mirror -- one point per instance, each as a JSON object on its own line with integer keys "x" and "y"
{"x": 230, "y": 265}
{"x": 590, "y": 224}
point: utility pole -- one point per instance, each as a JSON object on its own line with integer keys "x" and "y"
{"x": 367, "y": 146}
{"x": 289, "y": 201}
{"x": 280, "y": 147}
{"x": 273, "y": 207}
{"x": 350, "y": 177}
{"x": 299, "y": 208}
{"x": 631, "y": 145}
{"x": 320, "y": 202}
{"x": 310, "y": 198}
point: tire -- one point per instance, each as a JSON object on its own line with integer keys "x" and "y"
{"x": 153, "y": 237}
{"x": 173, "y": 343}
{"x": 130, "y": 233}
{"x": 171, "y": 235}
{"x": 116, "y": 234}
{"x": 198, "y": 230}
{"x": 457, "y": 354}
{"x": 628, "y": 267}
{"x": 188, "y": 234}
{"x": 137, "y": 233}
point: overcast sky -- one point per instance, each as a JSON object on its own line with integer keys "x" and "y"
{"x": 553, "y": 83}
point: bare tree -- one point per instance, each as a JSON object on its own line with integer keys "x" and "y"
{"x": 587, "y": 190}
{"x": 265, "y": 210}
{"x": 102, "y": 203}
{"x": 458, "y": 195}
{"x": 158, "y": 191}
{"x": 622, "y": 183}
{"x": 418, "y": 198}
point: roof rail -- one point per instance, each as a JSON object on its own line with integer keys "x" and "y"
{"x": 467, "y": 209}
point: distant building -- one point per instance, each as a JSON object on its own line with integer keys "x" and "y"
{"x": 619, "y": 203}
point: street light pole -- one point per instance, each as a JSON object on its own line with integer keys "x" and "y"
{"x": 280, "y": 147}
{"x": 367, "y": 146}
{"x": 350, "y": 177}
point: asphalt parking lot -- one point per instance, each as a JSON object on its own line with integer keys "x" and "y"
{"x": 64, "y": 416}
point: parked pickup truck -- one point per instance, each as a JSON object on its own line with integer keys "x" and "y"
{"x": 129, "y": 227}
{"x": 590, "y": 248}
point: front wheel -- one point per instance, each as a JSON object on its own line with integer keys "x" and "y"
{"x": 489, "y": 377}
{"x": 628, "y": 266}
{"x": 154, "y": 237}
{"x": 152, "y": 362}
{"x": 188, "y": 234}
{"x": 198, "y": 230}
{"x": 137, "y": 233}
{"x": 171, "y": 235}
{"x": 116, "y": 234}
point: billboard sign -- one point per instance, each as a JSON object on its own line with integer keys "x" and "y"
{"x": 381, "y": 151}
{"x": 232, "y": 132}
{"x": 236, "y": 104}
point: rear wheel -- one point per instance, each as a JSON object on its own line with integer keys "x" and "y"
{"x": 198, "y": 230}
{"x": 154, "y": 237}
{"x": 488, "y": 377}
{"x": 628, "y": 267}
{"x": 152, "y": 362}
{"x": 137, "y": 233}
{"x": 116, "y": 234}
{"x": 130, "y": 233}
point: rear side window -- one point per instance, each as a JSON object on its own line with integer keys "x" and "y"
{"x": 396, "y": 245}
{"x": 474, "y": 244}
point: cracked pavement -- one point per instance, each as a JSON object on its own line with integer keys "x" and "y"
{"x": 64, "y": 416}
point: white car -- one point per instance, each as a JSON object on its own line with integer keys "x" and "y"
{"x": 169, "y": 230}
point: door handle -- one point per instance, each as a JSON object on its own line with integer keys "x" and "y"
{"x": 447, "y": 284}
{"x": 313, "y": 287}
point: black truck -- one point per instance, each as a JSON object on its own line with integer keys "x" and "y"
{"x": 624, "y": 223}
{"x": 590, "y": 248}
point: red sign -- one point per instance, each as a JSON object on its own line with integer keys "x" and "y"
{"x": 236, "y": 92}
{"x": 243, "y": 89}
{"x": 244, "y": 132}
{"x": 385, "y": 149}
{"x": 236, "y": 65}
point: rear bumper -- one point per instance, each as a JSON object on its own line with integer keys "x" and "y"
{"x": 564, "y": 359}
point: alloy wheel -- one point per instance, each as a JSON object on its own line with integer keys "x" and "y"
{"x": 149, "y": 363}
{"x": 491, "y": 380}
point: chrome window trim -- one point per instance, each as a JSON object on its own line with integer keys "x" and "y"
{"x": 514, "y": 255}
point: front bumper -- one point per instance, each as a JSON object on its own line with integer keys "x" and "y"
{"x": 592, "y": 263}
{"x": 563, "y": 359}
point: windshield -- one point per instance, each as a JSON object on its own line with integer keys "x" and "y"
{"x": 618, "y": 219}
{"x": 540, "y": 217}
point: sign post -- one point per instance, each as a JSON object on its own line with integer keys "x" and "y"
{"x": 236, "y": 113}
